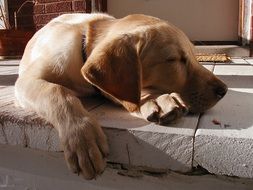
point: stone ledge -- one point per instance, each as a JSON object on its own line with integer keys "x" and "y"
{"x": 224, "y": 139}
{"x": 132, "y": 141}
{"x": 139, "y": 143}
{"x": 222, "y": 147}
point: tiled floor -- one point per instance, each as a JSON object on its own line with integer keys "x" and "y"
{"x": 225, "y": 148}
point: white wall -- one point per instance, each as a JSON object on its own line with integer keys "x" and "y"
{"x": 209, "y": 20}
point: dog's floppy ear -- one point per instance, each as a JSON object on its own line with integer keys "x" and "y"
{"x": 113, "y": 67}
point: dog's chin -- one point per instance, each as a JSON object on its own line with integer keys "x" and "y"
{"x": 200, "y": 108}
{"x": 198, "y": 103}
{"x": 196, "y": 110}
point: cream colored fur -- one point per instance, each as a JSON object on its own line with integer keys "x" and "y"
{"x": 141, "y": 62}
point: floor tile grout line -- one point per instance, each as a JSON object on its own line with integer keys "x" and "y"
{"x": 196, "y": 129}
{"x": 213, "y": 67}
{"x": 193, "y": 140}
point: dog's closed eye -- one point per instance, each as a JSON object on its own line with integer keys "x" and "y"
{"x": 174, "y": 59}
{"x": 171, "y": 59}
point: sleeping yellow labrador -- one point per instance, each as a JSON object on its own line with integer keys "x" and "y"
{"x": 143, "y": 63}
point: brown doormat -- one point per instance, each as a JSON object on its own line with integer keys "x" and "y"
{"x": 209, "y": 57}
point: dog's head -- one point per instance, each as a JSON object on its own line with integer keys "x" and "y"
{"x": 140, "y": 51}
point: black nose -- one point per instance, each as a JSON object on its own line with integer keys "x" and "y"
{"x": 220, "y": 91}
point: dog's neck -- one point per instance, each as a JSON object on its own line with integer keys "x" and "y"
{"x": 84, "y": 54}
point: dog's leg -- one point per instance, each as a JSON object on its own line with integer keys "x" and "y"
{"x": 83, "y": 140}
{"x": 162, "y": 109}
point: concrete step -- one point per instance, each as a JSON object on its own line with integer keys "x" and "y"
{"x": 221, "y": 140}
{"x": 138, "y": 143}
{"x": 224, "y": 139}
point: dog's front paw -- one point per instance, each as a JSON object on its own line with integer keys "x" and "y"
{"x": 85, "y": 148}
{"x": 165, "y": 109}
